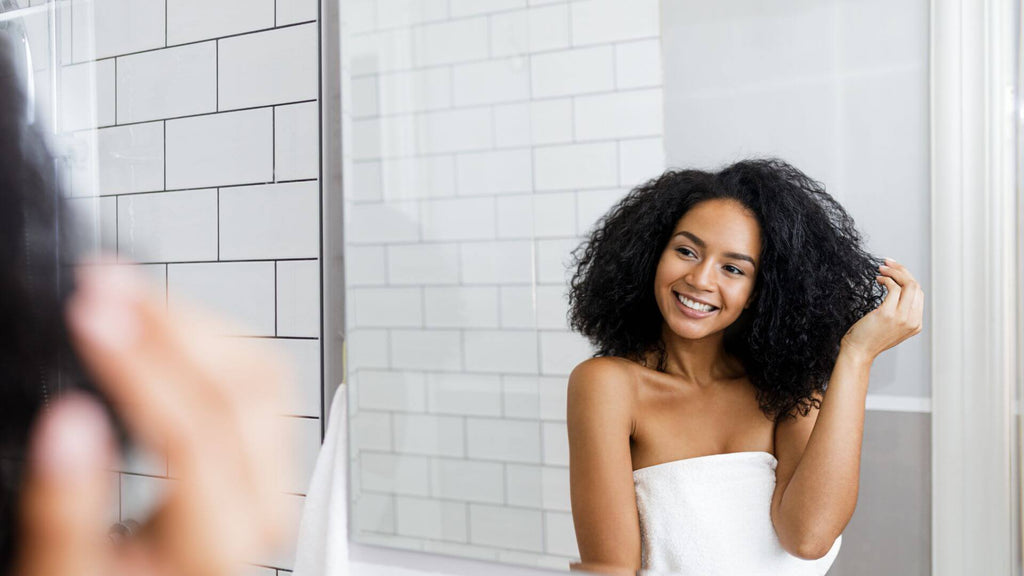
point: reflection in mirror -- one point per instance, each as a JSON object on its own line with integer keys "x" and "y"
{"x": 488, "y": 142}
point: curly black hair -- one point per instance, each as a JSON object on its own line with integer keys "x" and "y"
{"x": 814, "y": 281}
{"x": 36, "y": 249}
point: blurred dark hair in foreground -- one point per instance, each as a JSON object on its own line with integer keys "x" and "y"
{"x": 35, "y": 358}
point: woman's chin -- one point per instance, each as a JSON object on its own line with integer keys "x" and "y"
{"x": 687, "y": 331}
{"x": 695, "y": 329}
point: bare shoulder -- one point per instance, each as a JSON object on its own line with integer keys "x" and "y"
{"x": 605, "y": 385}
{"x": 603, "y": 375}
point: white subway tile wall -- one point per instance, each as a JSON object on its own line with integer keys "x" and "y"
{"x": 115, "y": 27}
{"x": 220, "y": 149}
{"x": 196, "y": 122}
{"x": 295, "y": 11}
{"x": 298, "y": 298}
{"x": 296, "y": 142}
{"x": 191, "y": 20}
{"x": 167, "y": 226}
{"x": 488, "y": 136}
{"x": 87, "y": 98}
{"x": 243, "y": 291}
{"x": 130, "y": 158}
{"x": 270, "y": 221}
{"x": 167, "y": 83}
{"x": 271, "y": 67}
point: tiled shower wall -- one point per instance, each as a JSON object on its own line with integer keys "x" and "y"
{"x": 198, "y": 156}
{"x": 485, "y": 138}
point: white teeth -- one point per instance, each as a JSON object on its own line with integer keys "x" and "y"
{"x": 694, "y": 305}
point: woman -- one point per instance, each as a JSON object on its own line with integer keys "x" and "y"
{"x": 718, "y": 428}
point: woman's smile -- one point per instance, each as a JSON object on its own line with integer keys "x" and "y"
{"x": 694, "y": 308}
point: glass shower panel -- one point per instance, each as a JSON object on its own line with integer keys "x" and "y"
{"x": 482, "y": 145}
{"x": 67, "y": 102}
{"x": 30, "y": 32}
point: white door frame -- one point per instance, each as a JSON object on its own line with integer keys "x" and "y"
{"x": 974, "y": 286}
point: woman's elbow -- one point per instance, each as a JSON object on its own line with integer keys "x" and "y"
{"x": 811, "y": 548}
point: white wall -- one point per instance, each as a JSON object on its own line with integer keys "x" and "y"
{"x": 485, "y": 138}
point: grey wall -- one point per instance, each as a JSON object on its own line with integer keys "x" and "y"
{"x": 890, "y": 532}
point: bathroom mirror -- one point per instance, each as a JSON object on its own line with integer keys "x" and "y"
{"x": 410, "y": 177}
{"x": 483, "y": 141}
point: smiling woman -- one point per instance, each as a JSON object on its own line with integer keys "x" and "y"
{"x": 813, "y": 279}
{"x": 736, "y": 318}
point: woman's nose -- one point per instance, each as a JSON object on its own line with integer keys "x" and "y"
{"x": 700, "y": 276}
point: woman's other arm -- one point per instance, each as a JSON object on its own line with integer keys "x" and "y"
{"x": 818, "y": 474}
{"x": 600, "y": 422}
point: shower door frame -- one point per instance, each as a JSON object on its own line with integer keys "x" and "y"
{"x": 976, "y": 286}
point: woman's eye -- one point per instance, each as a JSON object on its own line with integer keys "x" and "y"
{"x": 733, "y": 270}
{"x": 685, "y": 251}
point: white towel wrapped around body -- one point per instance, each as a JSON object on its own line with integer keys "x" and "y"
{"x": 711, "y": 516}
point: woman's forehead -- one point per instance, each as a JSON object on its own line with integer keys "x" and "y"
{"x": 725, "y": 224}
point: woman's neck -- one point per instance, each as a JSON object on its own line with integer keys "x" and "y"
{"x": 703, "y": 362}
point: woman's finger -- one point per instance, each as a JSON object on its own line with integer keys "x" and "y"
{"x": 910, "y": 288}
{"x": 890, "y": 305}
{"x": 110, "y": 336}
{"x": 901, "y": 275}
{"x": 66, "y": 502}
{"x": 917, "y": 313}
{"x": 211, "y": 398}
{"x": 898, "y": 272}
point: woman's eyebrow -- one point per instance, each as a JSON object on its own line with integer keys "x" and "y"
{"x": 696, "y": 240}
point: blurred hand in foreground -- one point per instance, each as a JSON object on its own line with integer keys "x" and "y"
{"x": 206, "y": 402}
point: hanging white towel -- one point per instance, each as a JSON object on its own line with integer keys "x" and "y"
{"x": 322, "y": 548}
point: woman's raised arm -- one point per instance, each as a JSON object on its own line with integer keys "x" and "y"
{"x": 819, "y": 454}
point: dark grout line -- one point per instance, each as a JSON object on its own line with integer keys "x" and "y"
{"x": 165, "y": 153}
{"x": 241, "y": 261}
{"x": 273, "y": 143}
{"x": 275, "y": 299}
{"x": 307, "y": 338}
{"x": 191, "y": 42}
{"x": 115, "y": 91}
{"x": 211, "y": 187}
{"x": 187, "y": 116}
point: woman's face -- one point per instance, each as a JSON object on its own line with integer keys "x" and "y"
{"x": 705, "y": 277}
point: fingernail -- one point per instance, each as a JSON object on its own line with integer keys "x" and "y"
{"x": 72, "y": 436}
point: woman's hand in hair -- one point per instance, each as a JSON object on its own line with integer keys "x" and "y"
{"x": 205, "y": 402}
{"x": 898, "y": 317}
